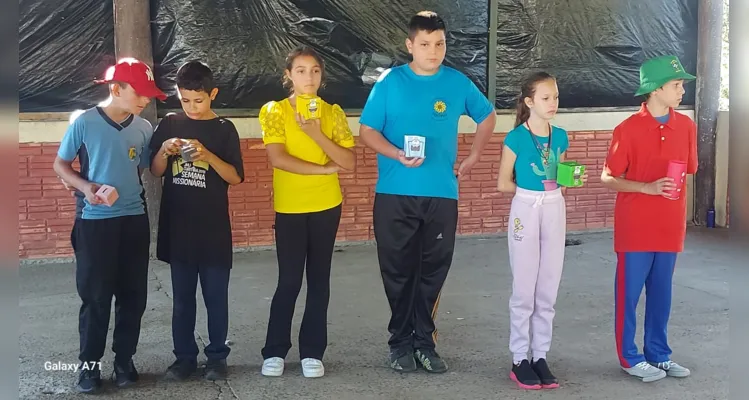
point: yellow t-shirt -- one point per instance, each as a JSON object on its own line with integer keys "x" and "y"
{"x": 294, "y": 193}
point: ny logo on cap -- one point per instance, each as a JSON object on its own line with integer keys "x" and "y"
{"x": 149, "y": 74}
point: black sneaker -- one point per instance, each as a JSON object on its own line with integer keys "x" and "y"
{"x": 215, "y": 370}
{"x": 181, "y": 370}
{"x": 430, "y": 360}
{"x": 524, "y": 376}
{"x": 548, "y": 380}
{"x": 402, "y": 360}
{"x": 89, "y": 381}
{"x": 124, "y": 374}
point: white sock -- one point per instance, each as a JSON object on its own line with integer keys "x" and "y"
{"x": 518, "y": 358}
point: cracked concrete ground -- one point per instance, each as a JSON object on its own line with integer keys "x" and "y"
{"x": 473, "y": 322}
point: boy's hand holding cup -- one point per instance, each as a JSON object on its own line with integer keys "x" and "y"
{"x": 193, "y": 150}
{"x": 672, "y": 184}
{"x": 661, "y": 187}
{"x": 410, "y": 162}
{"x": 171, "y": 147}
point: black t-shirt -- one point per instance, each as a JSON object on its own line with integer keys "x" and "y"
{"x": 194, "y": 224}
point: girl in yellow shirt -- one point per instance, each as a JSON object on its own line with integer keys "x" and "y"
{"x": 306, "y": 155}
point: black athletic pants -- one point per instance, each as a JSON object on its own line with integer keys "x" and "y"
{"x": 415, "y": 242}
{"x": 111, "y": 260}
{"x": 302, "y": 239}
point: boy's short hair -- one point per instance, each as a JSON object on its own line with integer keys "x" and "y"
{"x": 427, "y": 21}
{"x": 195, "y": 75}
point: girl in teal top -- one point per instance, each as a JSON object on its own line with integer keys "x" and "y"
{"x": 528, "y": 169}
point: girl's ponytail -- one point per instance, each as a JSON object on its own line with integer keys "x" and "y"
{"x": 522, "y": 112}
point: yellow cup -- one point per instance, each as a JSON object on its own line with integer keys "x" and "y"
{"x": 308, "y": 107}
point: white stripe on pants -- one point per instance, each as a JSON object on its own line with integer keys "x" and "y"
{"x": 537, "y": 229}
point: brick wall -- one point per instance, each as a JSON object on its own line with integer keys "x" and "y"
{"x": 46, "y": 210}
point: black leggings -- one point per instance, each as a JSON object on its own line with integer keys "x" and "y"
{"x": 300, "y": 238}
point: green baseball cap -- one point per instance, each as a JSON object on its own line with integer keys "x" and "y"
{"x": 658, "y": 71}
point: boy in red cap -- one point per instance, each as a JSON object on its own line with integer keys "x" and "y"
{"x": 111, "y": 240}
{"x": 650, "y": 214}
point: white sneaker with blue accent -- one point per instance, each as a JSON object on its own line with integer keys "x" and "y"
{"x": 646, "y": 372}
{"x": 673, "y": 369}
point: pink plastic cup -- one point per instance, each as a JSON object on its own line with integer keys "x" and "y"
{"x": 550, "y": 184}
{"x": 677, "y": 170}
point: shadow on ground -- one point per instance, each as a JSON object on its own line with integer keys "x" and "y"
{"x": 473, "y": 324}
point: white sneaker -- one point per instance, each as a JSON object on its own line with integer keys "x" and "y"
{"x": 273, "y": 366}
{"x": 312, "y": 368}
{"x": 646, "y": 372}
{"x": 673, "y": 369}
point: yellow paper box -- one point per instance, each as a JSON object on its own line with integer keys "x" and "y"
{"x": 308, "y": 106}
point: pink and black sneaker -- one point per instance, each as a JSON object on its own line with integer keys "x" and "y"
{"x": 548, "y": 380}
{"x": 524, "y": 376}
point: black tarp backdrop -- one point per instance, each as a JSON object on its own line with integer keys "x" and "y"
{"x": 63, "y": 46}
{"x": 246, "y": 42}
{"x": 593, "y": 47}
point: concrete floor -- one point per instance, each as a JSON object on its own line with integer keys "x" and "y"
{"x": 473, "y": 322}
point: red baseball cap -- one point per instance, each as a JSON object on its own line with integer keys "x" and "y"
{"x": 135, "y": 73}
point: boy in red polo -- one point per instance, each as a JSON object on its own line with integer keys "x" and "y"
{"x": 649, "y": 227}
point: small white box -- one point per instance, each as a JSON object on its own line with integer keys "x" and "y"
{"x": 414, "y": 146}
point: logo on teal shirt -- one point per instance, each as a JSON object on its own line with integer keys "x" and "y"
{"x": 439, "y": 109}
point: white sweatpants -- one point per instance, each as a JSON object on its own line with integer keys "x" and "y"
{"x": 538, "y": 225}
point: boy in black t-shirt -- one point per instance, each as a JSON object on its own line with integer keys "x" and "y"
{"x": 199, "y": 156}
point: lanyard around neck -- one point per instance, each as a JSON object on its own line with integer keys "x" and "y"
{"x": 544, "y": 154}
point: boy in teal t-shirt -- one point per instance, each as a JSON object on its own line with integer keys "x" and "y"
{"x": 416, "y": 199}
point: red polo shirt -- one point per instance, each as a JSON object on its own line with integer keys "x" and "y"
{"x": 640, "y": 151}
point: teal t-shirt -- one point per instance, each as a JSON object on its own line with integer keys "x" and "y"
{"x": 530, "y": 171}
{"x": 404, "y": 103}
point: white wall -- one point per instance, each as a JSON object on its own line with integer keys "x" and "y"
{"x": 50, "y": 127}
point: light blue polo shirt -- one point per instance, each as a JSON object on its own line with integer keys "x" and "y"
{"x": 403, "y": 103}
{"x": 109, "y": 153}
